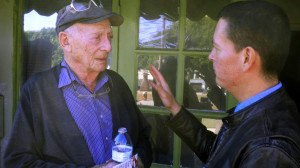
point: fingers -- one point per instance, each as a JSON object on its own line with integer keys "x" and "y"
{"x": 157, "y": 85}
{"x": 154, "y": 72}
{"x": 164, "y": 91}
{"x": 110, "y": 164}
{"x": 156, "y": 75}
{"x": 140, "y": 163}
{"x": 159, "y": 79}
{"x": 152, "y": 84}
{"x": 158, "y": 88}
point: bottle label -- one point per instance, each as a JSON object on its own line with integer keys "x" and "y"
{"x": 121, "y": 153}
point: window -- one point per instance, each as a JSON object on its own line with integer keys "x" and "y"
{"x": 176, "y": 37}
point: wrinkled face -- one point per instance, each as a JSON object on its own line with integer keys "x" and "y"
{"x": 226, "y": 61}
{"x": 90, "y": 45}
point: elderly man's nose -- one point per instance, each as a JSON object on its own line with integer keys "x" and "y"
{"x": 106, "y": 45}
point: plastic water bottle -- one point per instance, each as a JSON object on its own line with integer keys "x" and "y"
{"x": 122, "y": 149}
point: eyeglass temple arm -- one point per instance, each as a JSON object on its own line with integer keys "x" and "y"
{"x": 94, "y": 3}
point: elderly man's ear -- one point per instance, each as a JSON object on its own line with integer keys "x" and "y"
{"x": 64, "y": 41}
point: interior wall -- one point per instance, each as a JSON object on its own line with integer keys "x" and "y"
{"x": 6, "y": 67}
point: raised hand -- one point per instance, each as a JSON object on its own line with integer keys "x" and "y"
{"x": 164, "y": 92}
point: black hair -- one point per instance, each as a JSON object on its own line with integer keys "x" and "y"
{"x": 263, "y": 26}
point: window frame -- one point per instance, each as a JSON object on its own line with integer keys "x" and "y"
{"x": 17, "y": 53}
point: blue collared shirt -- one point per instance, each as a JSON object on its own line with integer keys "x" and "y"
{"x": 92, "y": 115}
{"x": 257, "y": 97}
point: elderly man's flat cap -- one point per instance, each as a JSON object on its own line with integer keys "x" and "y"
{"x": 67, "y": 17}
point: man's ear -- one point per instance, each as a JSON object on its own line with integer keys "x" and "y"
{"x": 250, "y": 57}
{"x": 64, "y": 41}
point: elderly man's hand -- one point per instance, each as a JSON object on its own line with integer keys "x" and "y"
{"x": 164, "y": 92}
{"x": 109, "y": 164}
{"x": 140, "y": 163}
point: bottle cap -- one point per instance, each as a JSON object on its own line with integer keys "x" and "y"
{"x": 122, "y": 130}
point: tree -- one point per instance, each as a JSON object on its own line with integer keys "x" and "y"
{"x": 48, "y": 34}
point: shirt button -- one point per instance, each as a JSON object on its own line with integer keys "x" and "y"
{"x": 101, "y": 116}
{"x": 106, "y": 138}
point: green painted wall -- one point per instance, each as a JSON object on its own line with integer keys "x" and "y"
{"x": 128, "y": 30}
{"x": 6, "y": 67}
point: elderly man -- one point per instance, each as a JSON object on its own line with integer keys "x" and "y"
{"x": 251, "y": 43}
{"x": 68, "y": 116}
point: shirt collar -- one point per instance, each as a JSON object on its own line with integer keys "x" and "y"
{"x": 64, "y": 78}
{"x": 257, "y": 97}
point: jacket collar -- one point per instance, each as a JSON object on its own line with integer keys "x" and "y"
{"x": 236, "y": 118}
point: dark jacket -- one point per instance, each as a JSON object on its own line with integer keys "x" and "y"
{"x": 44, "y": 133}
{"x": 264, "y": 134}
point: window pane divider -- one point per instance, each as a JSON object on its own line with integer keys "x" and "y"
{"x": 213, "y": 114}
{"x": 180, "y": 78}
{"x": 156, "y": 165}
{"x": 166, "y": 52}
{"x": 154, "y": 110}
{"x": 172, "y": 52}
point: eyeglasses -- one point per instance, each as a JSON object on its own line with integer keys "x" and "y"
{"x": 81, "y": 5}
{"x": 87, "y": 96}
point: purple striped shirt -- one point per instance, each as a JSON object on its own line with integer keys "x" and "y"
{"x": 92, "y": 115}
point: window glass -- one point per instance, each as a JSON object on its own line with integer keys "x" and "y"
{"x": 161, "y": 139}
{"x": 167, "y": 65}
{"x": 158, "y": 24}
{"x": 41, "y": 49}
{"x": 199, "y": 33}
{"x": 200, "y": 89}
{"x": 201, "y": 19}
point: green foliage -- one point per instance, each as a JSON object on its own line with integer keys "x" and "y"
{"x": 48, "y": 34}
{"x": 199, "y": 34}
{"x": 144, "y": 61}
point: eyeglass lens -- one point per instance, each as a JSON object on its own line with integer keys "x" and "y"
{"x": 80, "y": 5}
